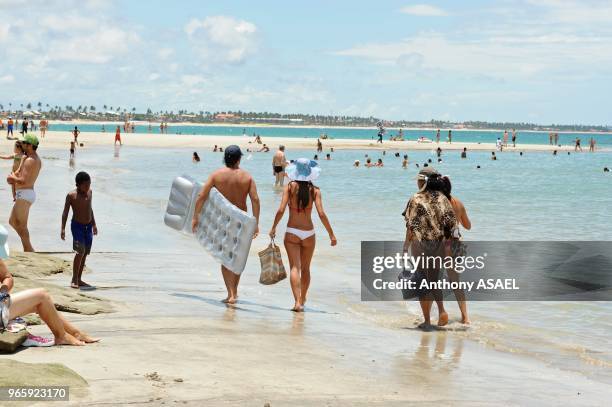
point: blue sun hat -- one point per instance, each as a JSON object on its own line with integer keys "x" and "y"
{"x": 303, "y": 169}
{"x": 4, "y": 247}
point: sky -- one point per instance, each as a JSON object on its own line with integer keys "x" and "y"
{"x": 539, "y": 61}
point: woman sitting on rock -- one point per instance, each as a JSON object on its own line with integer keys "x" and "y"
{"x": 38, "y": 301}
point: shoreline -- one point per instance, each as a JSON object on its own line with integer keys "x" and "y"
{"x": 155, "y": 123}
{"x": 59, "y": 139}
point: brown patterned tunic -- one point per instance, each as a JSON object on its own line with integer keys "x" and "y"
{"x": 429, "y": 216}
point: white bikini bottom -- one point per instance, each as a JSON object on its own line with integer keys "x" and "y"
{"x": 302, "y": 234}
{"x": 26, "y": 194}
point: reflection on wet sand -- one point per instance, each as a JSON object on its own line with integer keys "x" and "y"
{"x": 433, "y": 362}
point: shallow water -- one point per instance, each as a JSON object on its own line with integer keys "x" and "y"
{"x": 531, "y": 197}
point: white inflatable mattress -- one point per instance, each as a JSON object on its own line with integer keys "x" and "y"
{"x": 224, "y": 230}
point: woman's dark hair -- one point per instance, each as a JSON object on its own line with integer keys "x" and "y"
{"x": 305, "y": 193}
{"x": 446, "y": 187}
{"x": 82, "y": 177}
{"x": 434, "y": 183}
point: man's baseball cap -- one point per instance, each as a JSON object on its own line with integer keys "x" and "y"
{"x": 233, "y": 151}
{"x": 30, "y": 139}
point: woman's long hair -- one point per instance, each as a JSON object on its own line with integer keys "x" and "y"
{"x": 446, "y": 187}
{"x": 304, "y": 193}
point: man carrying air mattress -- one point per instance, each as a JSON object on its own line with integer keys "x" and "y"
{"x": 234, "y": 184}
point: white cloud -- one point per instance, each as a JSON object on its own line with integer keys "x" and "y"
{"x": 98, "y": 47}
{"x": 192, "y": 80}
{"x": 154, "y": 76}
{"x": 7, "y": 79}
{"x": 545, "y": 39}
{"x": 165, "y": 53}
{"x": 424, "y": 10}
{"x": 4, "y": 32}
{"x": 226, "y": 38}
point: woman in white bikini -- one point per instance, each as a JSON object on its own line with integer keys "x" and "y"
{"x": 300, "y": 195}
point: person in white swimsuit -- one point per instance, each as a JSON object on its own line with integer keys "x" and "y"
{"x": 300, "y": 195}
{"x": 24, "y": 180}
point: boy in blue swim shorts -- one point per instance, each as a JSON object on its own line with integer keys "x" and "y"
{"x": 82, "y": 226}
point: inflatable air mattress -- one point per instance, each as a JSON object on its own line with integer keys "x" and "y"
{"x": 225, "y": 230}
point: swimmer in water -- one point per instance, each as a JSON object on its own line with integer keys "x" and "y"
{"x": 405, "y": 161}
{"x": 380, "y": 163}
{"x": 464, "y": 153}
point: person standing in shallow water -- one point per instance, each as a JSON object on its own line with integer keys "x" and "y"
{"x": 24, "y": 180}
{"x": 235, "y": 184}
{"x": 300, "y": 195}
{"x": 454, "y": 246}
{"x": 430, "y": 220}
{"x": 83, "y": 226}
{"x": 279, "y": 162}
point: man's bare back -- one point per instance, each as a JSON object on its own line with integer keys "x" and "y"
{"x": 279, "y": 159}
{"x": 234, "y": 184}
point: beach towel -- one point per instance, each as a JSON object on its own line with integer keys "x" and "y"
{"x": 272, "y": 268}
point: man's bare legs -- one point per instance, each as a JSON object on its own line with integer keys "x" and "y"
{"x": 77, "y": 271}
{"x": 300, "y": 254}
{"x": 39, "y": 301}
{"x": 19, "y": 222}
{"x": 231, "y": 284}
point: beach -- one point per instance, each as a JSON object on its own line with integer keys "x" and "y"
{"x": 61, "y": 139}
{"x": 168, "y": 338}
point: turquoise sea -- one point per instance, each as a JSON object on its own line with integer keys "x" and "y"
{"x": 350, "y": 133}
{"x": 536, "y": 196}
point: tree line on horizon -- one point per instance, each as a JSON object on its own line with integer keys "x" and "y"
{"x": 68, "y": 112}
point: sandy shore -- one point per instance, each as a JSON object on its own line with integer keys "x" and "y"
{"x": 61, "y": 139}
{"x": 169, "y": 344}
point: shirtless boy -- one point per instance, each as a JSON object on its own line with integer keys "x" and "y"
{"x": 24, "y": 180}
{"x": 82, "y": 226}
{"x": 76, "y": 133}
{"x": 279, "y": 162}
{"x": 235, "y": 184}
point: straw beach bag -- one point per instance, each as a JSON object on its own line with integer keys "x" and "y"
{"x": 272, "y": 268}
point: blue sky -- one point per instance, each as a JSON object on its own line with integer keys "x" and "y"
{"x": 539, "y": 61}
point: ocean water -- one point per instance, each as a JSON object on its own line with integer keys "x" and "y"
{"x": 351, "y": 133}
{"x": 536, "y": 196}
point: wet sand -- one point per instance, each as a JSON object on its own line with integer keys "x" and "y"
{"x": 172, "y": 340}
